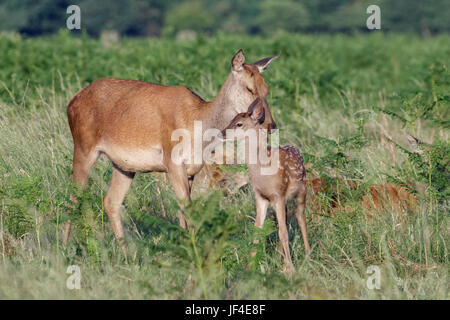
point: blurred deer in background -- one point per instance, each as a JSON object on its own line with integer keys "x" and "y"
{"x": 388, "y": 196}
{"x": 218, "y": 175}
{"x": 376, "y": 197}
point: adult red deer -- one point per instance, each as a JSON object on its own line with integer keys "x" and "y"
{"x": 131, "y": 122}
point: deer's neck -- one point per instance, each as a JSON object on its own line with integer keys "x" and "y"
{"x": 219, "y": 112}
{"x": 254, "y": 155}
{"x": 253, "y": 167}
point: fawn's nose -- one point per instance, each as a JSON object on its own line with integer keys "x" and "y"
{"x": 273, "y": 127}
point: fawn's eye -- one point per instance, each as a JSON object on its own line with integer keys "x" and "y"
{"x": 239, "y": 124}
{"x": 250, "y": 90}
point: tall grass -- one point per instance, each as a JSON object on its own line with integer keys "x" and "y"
{"x": 346, "y": 102}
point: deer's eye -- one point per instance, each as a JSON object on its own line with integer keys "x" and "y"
{"x": 250, "y": 90}
{"x": 239, "y": 124}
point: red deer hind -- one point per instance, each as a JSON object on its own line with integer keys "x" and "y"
{"x": 131, "y": 122}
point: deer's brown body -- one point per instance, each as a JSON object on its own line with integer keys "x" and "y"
{"x": 387, "y": 197}
{"x": 131, "y": 122}
{"x": 276, "y": 188}
{"x": 377, "y": 197}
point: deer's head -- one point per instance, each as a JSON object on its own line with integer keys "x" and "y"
{"x": 254, "y": 118}
{"x": 247, "y": 85}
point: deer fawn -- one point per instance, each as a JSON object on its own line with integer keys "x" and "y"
{"x": 131, "y": 122}
{"x": 274, "y": 189}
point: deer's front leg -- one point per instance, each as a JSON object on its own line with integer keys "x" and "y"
{"x": 280, "y": 209}
{"x": 179, "y": 179}
{"x": 261, "y": 210}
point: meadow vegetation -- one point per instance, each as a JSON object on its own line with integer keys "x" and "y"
{"x": 347, "y": 102}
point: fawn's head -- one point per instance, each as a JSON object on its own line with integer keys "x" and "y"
{"x": 253, "y": 119}
{"x": 248, "y": 84}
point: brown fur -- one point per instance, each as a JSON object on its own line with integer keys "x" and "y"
{"x": 387, "y": 197}
{"x": 379, "y": 197}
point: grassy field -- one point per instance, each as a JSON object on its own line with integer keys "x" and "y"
{"x": 346, "y": 102}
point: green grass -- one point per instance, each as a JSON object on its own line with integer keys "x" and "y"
{"x": 326, "y": 93}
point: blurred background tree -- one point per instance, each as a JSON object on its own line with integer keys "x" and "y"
{"x": 191, "y": 15}
{"x": 169, "y": 17}
{"x": 286, "y": 15}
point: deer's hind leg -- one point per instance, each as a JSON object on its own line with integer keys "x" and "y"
{"x": 82, "y": 165}
{"x": 180, "y": 183}
{"x": 300, "y": 214}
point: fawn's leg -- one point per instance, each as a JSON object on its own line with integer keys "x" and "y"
{"x": 300, "y": 213}
{"x": 261, "y": 210}
{"x": 118, "y": 188}
{"x": 280, "y": 209}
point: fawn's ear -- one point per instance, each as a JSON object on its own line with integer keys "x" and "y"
{"x": 237, "y": 62}
{"x": 264, "y": 63}
{"x": 256, "y": 111}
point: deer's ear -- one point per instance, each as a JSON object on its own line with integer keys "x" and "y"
{"x": 237, "y": 62}
{"x": 253, "y": 105}
{"x": 264, "y": 63}
{"x": 256, "y": 111}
